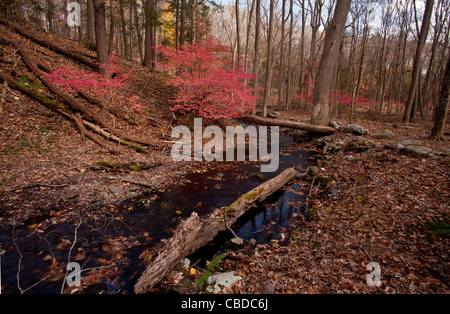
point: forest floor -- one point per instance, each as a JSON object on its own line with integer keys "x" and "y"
{"x": 382, "y": 207}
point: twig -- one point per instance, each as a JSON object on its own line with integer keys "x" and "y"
{"x": 20, "y": 258}
{"x": 226, "y": 223}
{"x": 39, "y": 184}
{"x": 130, "y": 181}
{"x": 361, "y": 186}
{"x": 70, "y": 252}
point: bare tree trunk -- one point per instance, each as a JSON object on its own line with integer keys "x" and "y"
{"x": 100, "y": 33}
{"x": 123, "y": 25}
{"x": 177, "y": 22}
{"x": 289, "y": 75}
{"x": 183, "y": 23}
{"x": 80, "y": 28}
{"x": 437, "y": 132}
{"x": 138, "y": 31}
{"x": 112, "y": 28}
{"x": 256, "y": 59}
{"x": 238, "y": 28}
{"x": 269, "y": 68}
{"x": 333, "y": 36}
{"x": 90, "y": 21}
{"x": 49, "y": 15}
{"x": 247, "y": 39}
{"x": 148, "y": 41}
{"x": 281, "y": 68}
{"x": 315, "y": 25}
{"x": 418, "y": 59}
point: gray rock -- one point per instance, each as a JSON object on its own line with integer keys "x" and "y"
{"x": 416, "y": 151}
{"x": 116, "y": 189}
{"x": 274, "y": 114}
{"x": 358, "y": 144}
{"x": 354, "y": 129}
{"x": 390, "y": 146}
{"x": 334, "y": 124}
{"x": 219, "y": 282}
{"x": 411, "y": 143}
{"x": 386, "y": 134}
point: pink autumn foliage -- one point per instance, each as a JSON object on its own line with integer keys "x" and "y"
{"x": 208, "y": 82}
{"x": 106, "y": 87}
{"x": 338, "y": 96}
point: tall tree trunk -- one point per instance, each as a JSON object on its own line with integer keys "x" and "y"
{"x": 256, "y": 58}
{"x": 183, "y": 23}
{"x": 112, "y": 28}
{"x": 437, "y": 131}
{"x": 80, "y": 28}
{"x": 281, "y": 70}
{"x": 90, "y": 21}
{"x": 269, "y": 68}
{"x": 247, "y": 39}
{"x": 177, "y": 23}
{"x": 49, "y": 16}
{"x": 148, "y": 41}
{"x": 238, "y": 29}
{"x": 123, "y": 25}
{"x": 333, "y": 37}
{"x": 138, "y": 31}
{"x": 289, "y": 75}
{"x": 315, "y": 25}
{"x": 418, "y": 59}
{"x": 100, "y": 33}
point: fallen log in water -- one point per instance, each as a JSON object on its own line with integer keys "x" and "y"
{"x": 289, "y": 124}
{"x": 195, "y": 232}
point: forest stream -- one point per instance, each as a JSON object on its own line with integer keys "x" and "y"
{"x": 143, "y": 223}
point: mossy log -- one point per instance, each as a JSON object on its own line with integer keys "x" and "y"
{"x": 49, "y": 103}
{"x": 195, "y": 232}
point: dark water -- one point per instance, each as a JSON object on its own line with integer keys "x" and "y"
{"x": 146, "y": 221}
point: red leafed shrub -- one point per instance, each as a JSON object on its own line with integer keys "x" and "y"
{"x": 208, "y": 82}
{"x": 106, "y": 87}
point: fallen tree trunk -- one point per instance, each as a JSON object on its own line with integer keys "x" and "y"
{"x": 195, "y": 232}
{"x": 45, "y": 43}
{"x": 49, "y": 103}
{"x": 289, "y": 124}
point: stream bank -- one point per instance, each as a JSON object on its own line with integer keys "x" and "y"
{"x": 113, "y": 242}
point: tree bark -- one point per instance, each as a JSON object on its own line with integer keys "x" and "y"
{"x": 138, "y": 31}
{"x": 90, "y": 22}
{"x": 256, "y": 58}
{"x": 148, "y": 40}
{"x": 289, "y": 124}
{"x": 112, "y": 28}
{"x": 333, "y": 36}
{"x": 269, "y": 65}
{"x": 123, "y": 25}
{"x": 281, "y": 67}
{"x": 195, "y": 232}
{"x": 437, "y": 132}
{"x": 183, "y": 24}
{"x": 238, "y": 28}
{"x": 418, "y": 59}
{"x": 100, "y": 34}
